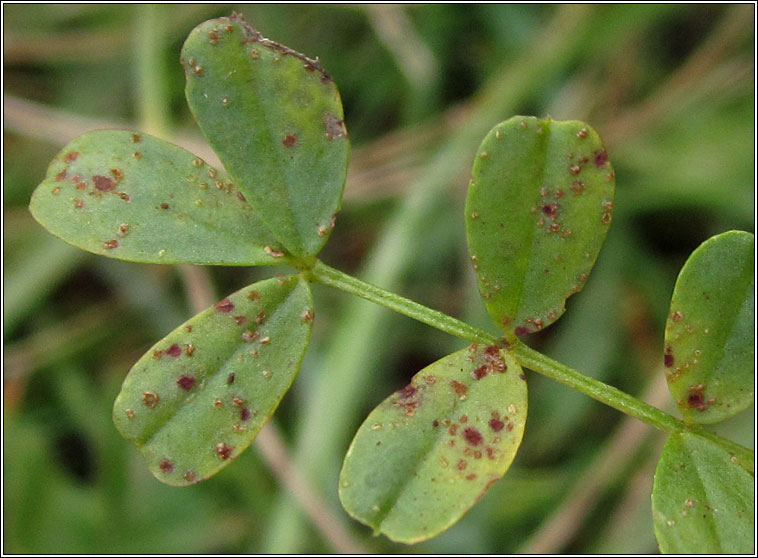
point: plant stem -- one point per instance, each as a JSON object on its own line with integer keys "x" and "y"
{"x": 527, "y": 357}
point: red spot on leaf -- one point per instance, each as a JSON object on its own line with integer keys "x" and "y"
{"x": 186, "y": 382}
{"x": 496, "y": 424}
{"x": 407, "y": 391}
{"x": 103, "y": 183}
{"x": 601, "y": 158}
{"x": 480, "y": 372}
{"x": 230, "y": 379}
{"x": 225, "y": 305}
{"x": 224, "y": 451}
{"x": 435, "y": 423}
{"x": 174, "y": 350}
{"x": 521, "y": 331}
{"x": 473, "y": 436}
{"x": 245, "y": 414}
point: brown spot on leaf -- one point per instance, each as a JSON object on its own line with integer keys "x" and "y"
{"x": 224, "y": 305}
{"x": 186, "y": 382}
{"x": 473, "y": 436}
{"x": 150, "y": 399}
{"x": 250, "y": 336}
{"x": 174, "y": 350}
{"x": 103, "y": 183}
{"x": 334, "y": 127}
{"x": 581, "y": 134}
{"x": 575, "y": 169}
{"x": 166, "y": 466}
{"x": 136, "y": 138}
{"x": 189, "y": 476}
{"x": 239, "y": 320}
{"x": 521, "y": 331}
{"x": 272, "y": 252}
{"x": 253, "y": 295}
{"x": 461, "y": 464}
{"x": 189, "y": 349}
{"x": 110, "y": 244}
{"x": 601, "y": 158}
{"x": 496, "y": 424}
{"x": 224, "y": 451}
{"x": 245, "y": 414}
{"x": 435, "y": 423}
{"x": 480, "y": 372}
{"x": 459, "y": 388}
{"x": 61, "y": 176}
{"x": 230, "y": 379}
{"x": 289, "y": 140}
{"x": 70, "y": 157}
{"x": 550, "y": 209}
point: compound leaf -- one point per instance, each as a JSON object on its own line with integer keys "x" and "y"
{"x": 274, "y": 117}
{"x": 134, "y": 197}
{"x": 428, "y": 452}
{"x": 710, "y": 336}
{"x": 200, "y": 396}
{"x": 537, "y": 211}
{"x": 703, "y": 500}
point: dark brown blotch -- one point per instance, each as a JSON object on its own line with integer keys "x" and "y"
{"x": 289, "y": 140}
{"x": 224, "y": 450}
{"x": 459, "y": 388}
{"x": 496, "y": 424}
{"x": 473, "y": 436}
{"x": 166, "y": 466}
{"x": 186, "y": 382}
{"x": 103, "y": 183}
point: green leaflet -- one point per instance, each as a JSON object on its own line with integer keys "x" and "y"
{"x": 709, "y": 341}
{"x": 200, "y": 396}
{"x": 134, "y": 197}
{"x": 428, "y": 452}
{"x": 703, "y": 500}
{"x": 274, "y": 117}
{"x": 537, "y": 211}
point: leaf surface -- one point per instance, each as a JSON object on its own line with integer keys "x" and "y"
{"x": 428, "y": 452}
{"x": 539, "y": 204}
{"x": 134, "y": 197}
{"x": 200, "y": 396}
{"x": 274, "y": 117}
{"x": 709, "y": 351}
{"x": 703, "y": 501}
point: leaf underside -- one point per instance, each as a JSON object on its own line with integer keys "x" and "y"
{"x": 134, "y": 197}
{"x": 538, "y": 207}
{"x": 200, "y": 396}
{"x": 427, "y": 453}
{"x": 275, "y": 119}
{"x": 703, "y": 501}
{"x": 709, "y": 351}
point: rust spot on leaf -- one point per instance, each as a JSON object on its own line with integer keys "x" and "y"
{"x": 601, "y": 158}
{"x": 462, "y": 464}
{"x": 103, "y": 183}
{"x": 496, "y": 424}
{"x": 189, "y": 476}
{"x": 70, "y": 157}
{"x": 224, "y": 305}
{"x": 224, "y": 451}
{"x": 334, "y": 127}
{"x": 289, "y": 140}
{"x": 110, "y": 244}
{"x": 150, "y": 399}
{"x": 473, "y": 436}
{"x": 166, "y": 466}
{"x": 136, "y": 138}
{"x": 174, "y": 350}
{"x": 459, "y": 388}
{"x": 186, "y": 382}
{"x": 480, "y": 372}
{"x": 239, "y": 320}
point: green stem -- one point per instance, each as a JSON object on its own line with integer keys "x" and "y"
{"x": 527, "y": 357}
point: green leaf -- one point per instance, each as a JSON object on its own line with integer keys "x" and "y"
{"x": 538, "y": 208}
{"x": 703, "y": 501}
{"x": 134, "y": 197}
{"x": 200, "y": 396}
{"x": 710, "y": 334}
{"x": 274, "y": 117}
{"x": 428, "y": 452}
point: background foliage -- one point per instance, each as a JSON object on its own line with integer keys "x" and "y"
{"x": 668, "y": 88}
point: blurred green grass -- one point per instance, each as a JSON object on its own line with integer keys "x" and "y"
{"x": 669, "y": 87}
